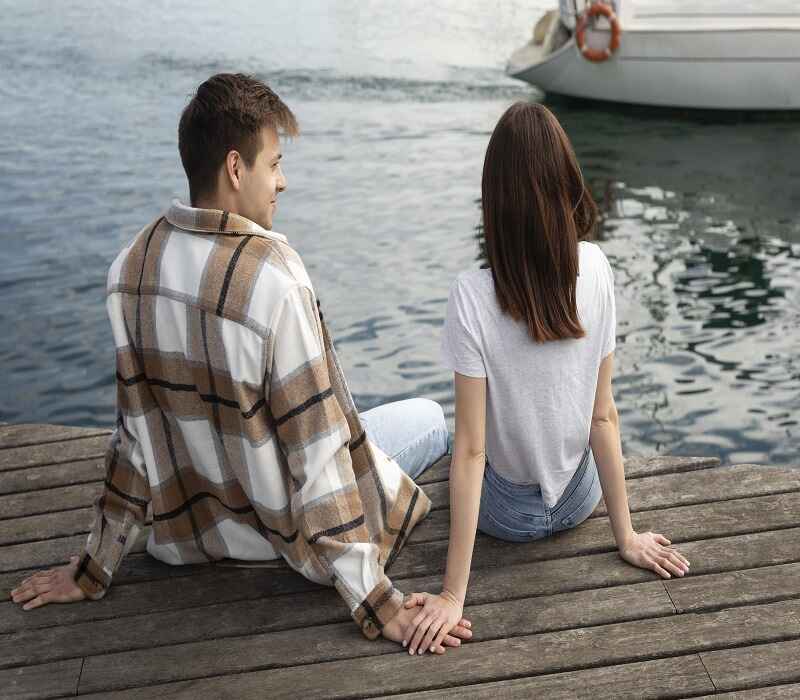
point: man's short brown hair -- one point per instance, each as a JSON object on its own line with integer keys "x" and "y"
{"x": 227, "y": 114}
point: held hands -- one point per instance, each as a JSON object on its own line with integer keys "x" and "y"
{"x": 51, "y": 586}
{"x": 650, "y": 550}
{"x": 401, "y": 627}
{"x": 440, "y": 615}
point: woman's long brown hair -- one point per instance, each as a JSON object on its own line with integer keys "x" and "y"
{"x": 535, "y": 210}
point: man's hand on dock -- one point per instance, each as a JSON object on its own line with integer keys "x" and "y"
{"x": 52, "y": 586}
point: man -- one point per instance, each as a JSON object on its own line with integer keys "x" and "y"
{"x": 234, "y": 421}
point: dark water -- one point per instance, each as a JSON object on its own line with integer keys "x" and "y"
{"x": 396, "y": 102}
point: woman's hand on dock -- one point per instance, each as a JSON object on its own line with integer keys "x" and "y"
{"x": 399, "y": 628}
{"x": 651, "y": 550}
{"x": 440, "y": 615}
{"x": 51, "y": 586}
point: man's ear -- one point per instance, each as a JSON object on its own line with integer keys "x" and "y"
{"x": 234, "y": 169}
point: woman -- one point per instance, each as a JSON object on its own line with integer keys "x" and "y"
{"x": 531, "y": 342}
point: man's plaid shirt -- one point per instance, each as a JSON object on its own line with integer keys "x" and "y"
{"x": 234, "y": 421}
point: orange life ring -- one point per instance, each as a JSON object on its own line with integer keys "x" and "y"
{"x": 597, "y": 55}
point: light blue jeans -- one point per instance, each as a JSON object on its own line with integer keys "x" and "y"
{"x": 412, "y": 432}
{"x": 517, "y": 513}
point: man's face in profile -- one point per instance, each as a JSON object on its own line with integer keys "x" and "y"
{"x": 263, "y": 181}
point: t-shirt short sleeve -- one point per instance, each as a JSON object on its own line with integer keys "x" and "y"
{"x": 460, "y": 348}
{"x": 609, "y": 309}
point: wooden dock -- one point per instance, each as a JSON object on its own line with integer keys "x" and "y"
{"x": 564, "y": 617}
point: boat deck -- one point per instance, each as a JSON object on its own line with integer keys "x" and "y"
{"x": 564, "y": 617}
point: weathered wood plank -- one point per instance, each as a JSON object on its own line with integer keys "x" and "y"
{"x": 525, "y": 616}
{"x": 24, "y": 434}
{"x": 577, "y": 608}
{"x": 779, "y": 692}
{"x": 45, "y": 526}
{"x": 635, "y": 467}
{"x": 342, "y": 641}
{"x": 53, "y": 680}
{"x": 756, "y": 666}
{"x": 150, "y": 594}
{"x": 14, "y": 557}
{"x": 691, "y": 593}
{"x": 51, "y": 475}
{"x": 210, "y": 586}
{"x": 494, "y": 660}
{"x": 18, "y": 505}
{"x": 676, "y": 677}
{"x": 710, "y": 484}
{"x": 53, "y": 453}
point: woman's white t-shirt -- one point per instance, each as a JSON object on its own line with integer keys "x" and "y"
{"x": 539, "y": 396}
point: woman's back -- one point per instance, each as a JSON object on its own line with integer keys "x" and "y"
{"x": 539, "y": 395}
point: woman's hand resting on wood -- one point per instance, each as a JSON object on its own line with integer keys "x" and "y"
{"x": 439, "y": 615}
{"x": 651, "y": 550}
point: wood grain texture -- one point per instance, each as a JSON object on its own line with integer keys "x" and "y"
{"x": 44, "y": 526}
{"x": 703, "y": 486}
{"x": 25, "y": 434}
{"x": 759, "y": 665}
{"x": 52, "y": 500}
{"x": 478, "y": 662}
{"x": 52, "y": 680}
{"x": 53, "y": 453}
{"x": 779, "y": 692}
{"x": 51, "y": 475}
{"x": 525, "y": 616}
{"x": 248, "y": 620}
{"x": 676, "y": 677}
{"x": 558, "y": 616}
{"x": 635, "y": 466}
{"x": 761, "y": 555}
{"x": 342, "y": 641}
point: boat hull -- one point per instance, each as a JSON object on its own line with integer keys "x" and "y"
{"x": 738, "y": 70}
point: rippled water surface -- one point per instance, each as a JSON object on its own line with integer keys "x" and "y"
{"x": 396, "y": 102}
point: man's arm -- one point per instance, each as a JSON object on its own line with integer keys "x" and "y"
{"x": 334, "y": 543}
{"x": 119, "y": 513}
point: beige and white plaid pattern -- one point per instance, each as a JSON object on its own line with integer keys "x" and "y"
{"x": 234, "y": 421}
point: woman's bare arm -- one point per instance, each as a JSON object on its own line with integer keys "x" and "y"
{"x": 604, "y": 439}
{"x": 466, "y": 479}
{"x": 648, "y": 550}
{"x": 441, "y": 612}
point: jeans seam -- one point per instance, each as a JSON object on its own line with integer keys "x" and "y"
{"x": 565, "y": 499}
{"x": 588, "y": 493}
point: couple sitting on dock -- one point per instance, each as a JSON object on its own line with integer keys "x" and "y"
{"x": 235, "y": 425}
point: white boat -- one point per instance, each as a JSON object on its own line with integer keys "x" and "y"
{"x": 708, "y": 60}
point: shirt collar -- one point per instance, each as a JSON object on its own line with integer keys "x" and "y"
{"x": 216, "y": 221}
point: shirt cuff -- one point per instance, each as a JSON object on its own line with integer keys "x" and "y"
{"x": 381, "y": 605}
{"x": 91, "y": 578}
